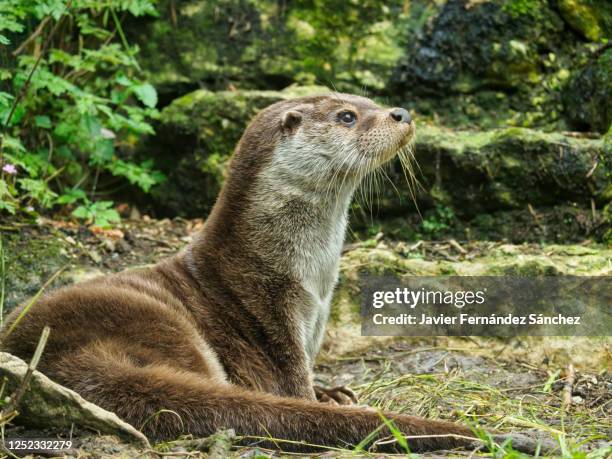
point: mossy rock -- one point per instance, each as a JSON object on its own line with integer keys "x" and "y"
{"x": 480, "y": 172}
{"x": 475, "y": 173}
{"x": 28, "y": 262}
{"x": 498, "y": 260}
{"x": 587, "y": 96}
{"x": 490, "y": 64}
{"x": 474, "y": 45}
{"x": 194, "y": 41}
{"x": 591, "y": 18}
{"x": 558, "y": 224}
{"x": 269, "y": 45}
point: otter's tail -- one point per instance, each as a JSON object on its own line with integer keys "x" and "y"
{"x": 165, "y": 402}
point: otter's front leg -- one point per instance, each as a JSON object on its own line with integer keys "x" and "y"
{"x": 298, "y": 386}
{"x": 291, "y": 376}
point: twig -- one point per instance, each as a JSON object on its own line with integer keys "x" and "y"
{"x": 415, "y": 246}
{"x": 535, "y": 216}
{"x": 14, "y": 400}
{"x": 457, "y": 246}
{"x": 36, "y": 33}
{"x": 570, "y": 378}
{"x": 123, "y": 38}
{"x": 181, "y": 454}
{"x": 239, "y": 438}
{"x": 592, "y": 169}
{"x": 416, "y": 437}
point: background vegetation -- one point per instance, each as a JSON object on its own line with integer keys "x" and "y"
{"x": 73, "y": 106}
{"x": 83, "y": 83}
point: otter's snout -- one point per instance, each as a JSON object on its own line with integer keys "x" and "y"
{"x": 401, "y": 115}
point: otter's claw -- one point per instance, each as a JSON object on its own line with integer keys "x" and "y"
{"x": 339, "y": 395}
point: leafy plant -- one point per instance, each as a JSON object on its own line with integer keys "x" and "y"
{"x": 99, "y": 213}
{"x": 438, "y": 220}
{"x": 73, "y": 105}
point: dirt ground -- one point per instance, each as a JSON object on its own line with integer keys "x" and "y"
{"x": 516, "y": 384}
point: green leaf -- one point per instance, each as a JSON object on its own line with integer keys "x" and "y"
{"x": 141, "y": 175}
{"x": 92, "y": 124}
{"x": 38, "y": 190}
{"x": 102, "y": 152}
{"x": 71, "y": 196}
{"x": 53, "y": 8}
{"x": 43, "y": 121}
{"x": 100, "y": 213}
{"x": 139, "y": 7}
{"x": 5, "y": 74}
{"x": 18, "y": 115}
{"x": 44, "y": 79}
{"x": 9, "y": 206}
{"x": 147, "y": 94}
{"x": 7, "y": 202}
{"x": 13, "y": 144}
{"x": 124, "y": 81}
{"x": 82, "y": 212}
{"x": 97, "y": 101}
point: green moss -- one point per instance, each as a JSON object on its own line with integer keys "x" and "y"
{"x": 517, "y": 8}
{"x": 29, "y": 262}
{"x": 592, "y": 18}
{"x": 518, "y": 260}
{"x": 528, "y": 268}
{"x": 474, "y": 172}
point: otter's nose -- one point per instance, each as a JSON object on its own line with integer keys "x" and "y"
{"x": 401, "y": 115}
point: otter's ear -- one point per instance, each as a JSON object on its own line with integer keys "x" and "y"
{"x": 290, "y": 120}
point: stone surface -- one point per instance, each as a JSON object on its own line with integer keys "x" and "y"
{"x": 482, "y": 259}
{"x": 47, "y": 404}
{"x": 471, "y": 45}
{"x": 588, "y": 94}
{"x": 268, "y": 45}
{"x": 468, "y": 62}
{"x": 476, "y": 172}
{"x": 29, "y": 259}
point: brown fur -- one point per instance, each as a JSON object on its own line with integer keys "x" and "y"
{"x": 211, "y": 333}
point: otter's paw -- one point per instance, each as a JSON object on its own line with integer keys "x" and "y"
{"x": 530, "y": 442}
{"x": 339, "y": 395}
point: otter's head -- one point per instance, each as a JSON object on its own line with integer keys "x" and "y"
{"x": 319, "y": 142}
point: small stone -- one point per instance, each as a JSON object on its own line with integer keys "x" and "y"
{"x": 108, "y": 245}
{"x": 577, "y": 400}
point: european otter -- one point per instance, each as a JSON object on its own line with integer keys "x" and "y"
{"x": 224, "y": 334}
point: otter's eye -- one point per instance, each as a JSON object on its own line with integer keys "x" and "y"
{"x": 347, "y": 117}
